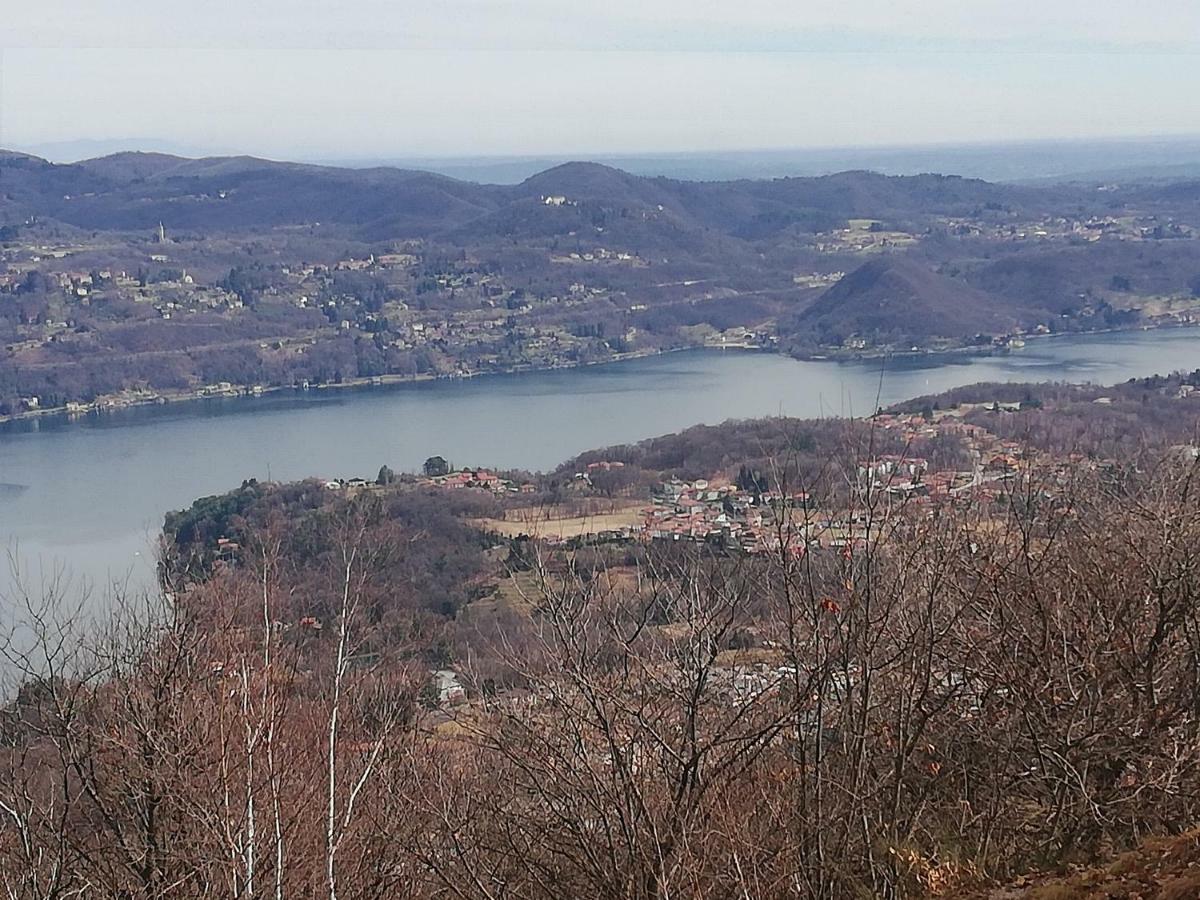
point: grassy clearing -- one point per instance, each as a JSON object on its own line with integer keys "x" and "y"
{"x": 547, "y": 522}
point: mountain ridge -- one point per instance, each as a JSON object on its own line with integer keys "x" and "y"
{"x": 131, "y": 190}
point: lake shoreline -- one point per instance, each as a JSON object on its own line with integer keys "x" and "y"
{"x": 236, "y": 391}
{"x": 832, "y": 355}
{"x": 840, "y": 355}
{"x": 98, "y": 485}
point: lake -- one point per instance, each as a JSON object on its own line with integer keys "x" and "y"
{"x": 89, "y": 495}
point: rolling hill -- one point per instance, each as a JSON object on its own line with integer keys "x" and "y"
{"x": 730, "y": 240}
{"x": 134, "y": 191}
{"x": 897, "y": 298}
{"x": 131, "y": 192}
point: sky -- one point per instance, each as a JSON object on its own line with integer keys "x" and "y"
{"x": 350, "y": 79}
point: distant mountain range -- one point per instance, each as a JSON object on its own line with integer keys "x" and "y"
{"x": 746, "y": 228}
{"x": 135, "y": 191}
{"x": 1018, "y": 161}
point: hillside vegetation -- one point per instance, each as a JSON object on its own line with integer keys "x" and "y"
{"x": 896, "y": 299}
{"x": 979, "y": 685}
{"x": 132, "y": 191}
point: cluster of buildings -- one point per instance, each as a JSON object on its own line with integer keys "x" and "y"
{"x": 755, "y": 521}
{"x": 480, "y": 479}
{"x": 1086, "y": 229}
{"x": 910, "y": 477}
{"x": 725, "y": 515}
{"x": 994, "y": 459}
{"x": 600, "y": 254}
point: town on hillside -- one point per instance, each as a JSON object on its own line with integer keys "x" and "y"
{"x": 194, "y": 283}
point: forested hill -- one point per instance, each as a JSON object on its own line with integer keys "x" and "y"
{"x": 899, "y": 296}
{"x": 137, "y": 190}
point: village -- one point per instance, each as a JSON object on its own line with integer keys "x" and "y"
{"x": 746, "y": 516}
{"x": 744, "y": 513}
{"x": 400, "y": 313}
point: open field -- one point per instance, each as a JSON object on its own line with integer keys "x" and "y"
{"x": 1157, "y": 306}
{"x": 546, "y": 523}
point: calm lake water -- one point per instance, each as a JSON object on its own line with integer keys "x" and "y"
{"x": 90, "y": 495}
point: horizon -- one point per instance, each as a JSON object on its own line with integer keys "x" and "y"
{"x": 374, "y": 80}
{"x": 1171, "y": 155}
{"x": 57, "y": 151}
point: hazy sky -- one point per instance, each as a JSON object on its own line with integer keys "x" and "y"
{"x": 389, "y": 78}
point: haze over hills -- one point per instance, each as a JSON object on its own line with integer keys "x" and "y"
{"x": 1025, "y": 161}
{"x": 1028, "y": 161}
{"x": 135, "y": 191}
